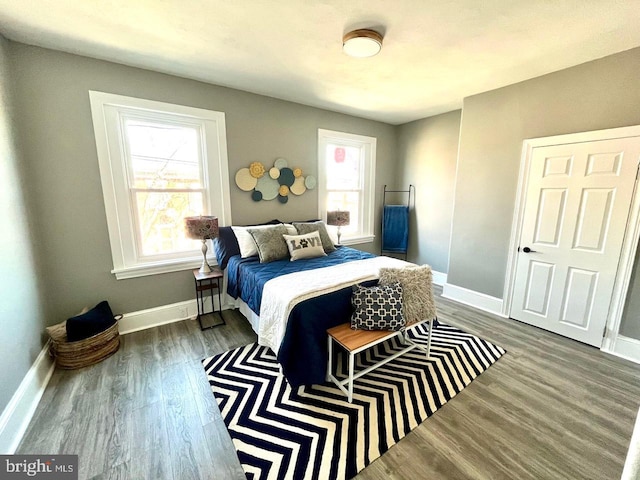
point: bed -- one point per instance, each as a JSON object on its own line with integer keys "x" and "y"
{"x": 291, "y": 304}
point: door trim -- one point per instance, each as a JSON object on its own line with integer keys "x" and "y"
{"x": 632, "y": 231}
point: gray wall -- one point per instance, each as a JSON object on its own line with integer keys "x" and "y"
{"x": 630, "y": 324}
{"x": 593, "y": 96}
{"x": 427, "y": 150}
{"x": 596, "y": 95}
{"x": 21, "y": 318}
{"x": 57, "y": 143}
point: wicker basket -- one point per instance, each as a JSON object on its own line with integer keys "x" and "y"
{"x": 72, "y": 355}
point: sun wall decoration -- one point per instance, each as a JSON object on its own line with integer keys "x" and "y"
{"x": 279, "y": 181}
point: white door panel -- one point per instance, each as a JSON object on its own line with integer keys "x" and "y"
{"x": 578, "y": 297}
{"x": 550, "y": 215}
{"x": 539, "y": 287}
{"x": 575, "y": 215}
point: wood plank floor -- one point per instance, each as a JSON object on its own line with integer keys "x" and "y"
{"x": 551, "y": 408}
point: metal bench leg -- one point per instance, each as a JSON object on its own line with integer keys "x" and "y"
{"x": 350, "y": 395}
{"x": 429, "y": 338}
{"x": 407, "y": 340}
{"x": 330, "y": 361}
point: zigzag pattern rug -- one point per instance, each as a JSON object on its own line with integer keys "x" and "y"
{"x": 313, "y": 432}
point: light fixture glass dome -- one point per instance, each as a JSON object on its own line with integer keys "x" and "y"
{"x": 362, "y": 43}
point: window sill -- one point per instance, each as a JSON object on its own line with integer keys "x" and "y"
{"x": 358, "y": 240}
{"x": 158, "y": 268}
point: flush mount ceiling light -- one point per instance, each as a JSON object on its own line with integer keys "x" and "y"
{"x": 362, "y": 43}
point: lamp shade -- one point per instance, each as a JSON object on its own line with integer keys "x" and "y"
{"x": 201, "y": 227}
{"x": 338, "y": 217}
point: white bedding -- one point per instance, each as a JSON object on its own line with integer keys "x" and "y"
{"x": 283, "y": 293}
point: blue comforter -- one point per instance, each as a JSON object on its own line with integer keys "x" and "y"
{"x": 247, "y": 276}
{"x": 303, "y": 353}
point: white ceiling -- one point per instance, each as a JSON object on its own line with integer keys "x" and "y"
{"x": 435, "y": 52}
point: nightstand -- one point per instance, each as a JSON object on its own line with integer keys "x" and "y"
{"x": 208, "y": 282}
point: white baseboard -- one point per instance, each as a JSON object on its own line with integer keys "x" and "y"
{"x": 439, "y": 278}
{"x": 18, "y": 413}
{"x": 478, "y": 300}
{"x": 626, "y": 347}
{"x": 154, "y": 317}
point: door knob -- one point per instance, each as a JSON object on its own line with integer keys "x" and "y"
{"x": 528, "y": 250}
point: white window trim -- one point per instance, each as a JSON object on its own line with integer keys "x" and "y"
{"x": 118, "y": 210}
{"x": 368, "y": 208}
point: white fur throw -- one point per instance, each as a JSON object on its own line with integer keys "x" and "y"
{"x": 417, "y": 291}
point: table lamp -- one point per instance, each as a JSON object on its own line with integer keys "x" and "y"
{"x": 338, "y": 218}
{"x": 202, "y": 228}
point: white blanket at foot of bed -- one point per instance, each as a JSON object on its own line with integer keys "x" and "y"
{"x": 283, "y": 293}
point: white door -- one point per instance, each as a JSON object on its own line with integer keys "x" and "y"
{"x": 575, "y": 214}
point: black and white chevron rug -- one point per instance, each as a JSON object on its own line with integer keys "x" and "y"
{"x": 313, "y": 432}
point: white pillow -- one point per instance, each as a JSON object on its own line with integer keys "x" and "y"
{"x": 247, "y": 244}
{"x": 291, "y": 230}
{"x": 304, "y": 246}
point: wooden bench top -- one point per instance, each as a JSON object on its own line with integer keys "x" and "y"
{"x": 354, "y": 339}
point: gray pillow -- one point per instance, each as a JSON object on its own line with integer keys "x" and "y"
{"x": 319, "y": 227}
{"x": 270, "y": 242}
{"x": 417, "y": 291}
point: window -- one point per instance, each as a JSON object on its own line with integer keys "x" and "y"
{"x": 347, "y": 165}
{"x": 158, "y": 163}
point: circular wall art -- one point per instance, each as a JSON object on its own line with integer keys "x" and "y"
{"x": 298, "y": 187}
{"x": 280, "y": 181}
{"x": 310, "y": 182}
{"x": 245, "y": 181}
{"x": 280, "y": 163}
{"x": 286, "y": 177}
{"x": 268, "y": 187}
{"x": 256, "y": 169}
{"x": 256, "y": 196}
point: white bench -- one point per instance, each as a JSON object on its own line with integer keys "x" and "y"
{"x": 356, "y": 341}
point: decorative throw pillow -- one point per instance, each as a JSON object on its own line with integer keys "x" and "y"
{"x": 319, "y": 227}
{"x": 270, "y": 242}
{"x": 304, "y": 246}
{"x": 226, "y": 243}
{"x": 238, "y": 241}
{"x": 247, "y": 244}
{"x": 90, "y": 323}
{"x": 377, "y": 308}
{"x": 225, "y": 246}
{"x": 417, "y": 292}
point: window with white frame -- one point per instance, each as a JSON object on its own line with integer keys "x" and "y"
{"x": 158, "y": 164}
{"x": 347, "y": 165}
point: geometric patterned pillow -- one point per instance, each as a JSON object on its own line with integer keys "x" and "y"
{"x": 377, "y": 308}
